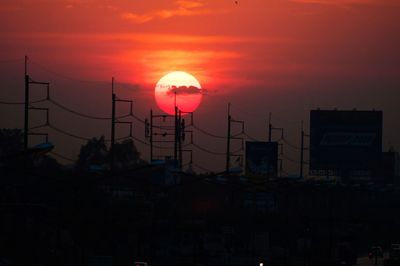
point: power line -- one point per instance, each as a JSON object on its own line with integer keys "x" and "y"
{"x": 81, "y": 137}
{"x": 206, "y": 150}
{"x": 140, "y": 141}
{"x": 82, "y": 114}
{"x": 148, "y": 144}
{"x": 121, "y": 138}
{"x": 291, "y": 145}
{"x": 137, "y": 118}
{"x": 68, "y": 134}
{"x": 208, "y": 133}
{"x": 213, "y": 152}
{"x": 249, "y": 137}
{"x": 65, "y": 108}
{"x": 39, "y": 126}
{"x": 21, "y": 103}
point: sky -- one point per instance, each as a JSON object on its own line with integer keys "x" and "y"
{"x": 280, "y": 56}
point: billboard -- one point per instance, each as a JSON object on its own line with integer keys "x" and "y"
{"x": 345, "y": 140}
{"x": 261, "y": 159}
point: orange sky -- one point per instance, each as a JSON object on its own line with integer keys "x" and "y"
{"x": 254, "y": 42}
{"x": 284, "y": 56}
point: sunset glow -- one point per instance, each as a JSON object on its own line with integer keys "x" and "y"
{"x": 280, "y": 56}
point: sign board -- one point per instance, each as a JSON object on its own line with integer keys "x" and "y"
{"x": 261, "y": 159}
{"x": 344, "y": 140}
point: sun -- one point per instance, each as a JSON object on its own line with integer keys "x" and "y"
{"x": 178, "y": 88}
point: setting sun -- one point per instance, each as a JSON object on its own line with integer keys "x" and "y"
{"x": 179, "y": 89}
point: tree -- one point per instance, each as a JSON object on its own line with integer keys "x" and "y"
{"x": 11, "y": 148}
{"x": 93, "y": 155}
{"x": 11, "y": 142}
{"x": 126, "y": 155}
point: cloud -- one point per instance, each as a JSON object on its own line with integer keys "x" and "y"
{"x": 184, "y": 90}
{"x": 189, "y": 4}
{"x": 183, "y": 8}
{"x": 348, "y": 3}
{"x": 137, "y": 18}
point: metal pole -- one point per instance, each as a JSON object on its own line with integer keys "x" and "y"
{"x": 228, "y": 142}
{"x": 151, "y": 136}
{"x": 180, "y": 138}
{"x": 269, "y": 129}
{"x": 176, "y": 137}
{"x": 26, "y": 117}
{"x": 113, "y": 98}
{"x": 302, "y": 150}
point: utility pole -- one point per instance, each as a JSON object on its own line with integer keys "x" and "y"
{"x": 151, "y": 136}
{"x": 229, "y": 138}
{"x": 176, "y": 136}
{"x": 269, "y": 129}
{"x": 114, "y": 121}
{"x": 180, "y": 139}
{"x": 228, "y": 142}
{"x": 301, "y": 151}
{"x": 28, "y": 81}
{"x": 175, "y": 132}
{"x": 161, "y": 130}
{"x": 112, "y": 125}
{"x": 26, "y": 118}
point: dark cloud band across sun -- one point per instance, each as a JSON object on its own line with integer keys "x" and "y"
{"x": 184, "y": 90}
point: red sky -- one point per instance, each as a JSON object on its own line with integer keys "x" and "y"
{"x": 279, "y": 56}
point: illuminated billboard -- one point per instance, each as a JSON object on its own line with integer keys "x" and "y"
{"x": 345, "y": 140}
{"x": 261, "y": 159}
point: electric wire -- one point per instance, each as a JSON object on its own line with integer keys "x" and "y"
{"x": 140, "y": 141}
{"x": 68, "y": 133}
{"x": 82, "y": 114}
{"x": 214, "y": 152}
{"x": 39, "y": 126}
{"x": 250, "y": 137}
{"x": 137, "y": 118}
{"x": 148, "y": 144}
{"x": 290, "y": 145}
{"x": 119, "y": 139}
{"x": 21, "y": 103}
{"x": 207, "y": 151}
{"x": 208, "y": 133}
